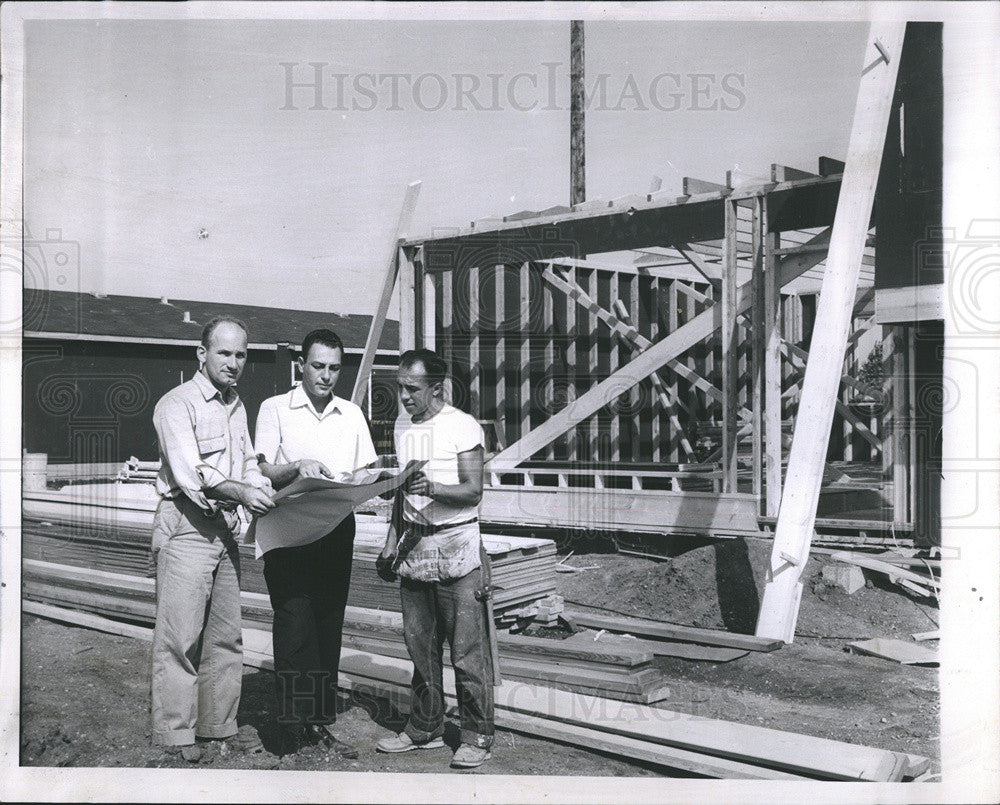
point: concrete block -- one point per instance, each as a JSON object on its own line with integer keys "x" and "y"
{"x": 848, "y": 578}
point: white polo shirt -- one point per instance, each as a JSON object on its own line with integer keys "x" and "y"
{"x": 289, "y": 428}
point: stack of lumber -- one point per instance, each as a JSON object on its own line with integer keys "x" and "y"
{"x": 670, "y": 740}
{"x": 107, "y": 526}
{"x": 621, "y": 671}
{"x": 523, "y": 568}
{"x": 136, "y": 470}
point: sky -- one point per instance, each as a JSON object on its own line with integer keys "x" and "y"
{"x": 176, "y": 157}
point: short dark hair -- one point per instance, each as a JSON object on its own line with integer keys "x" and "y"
{"x": 215, "y": 321}
{"x": 434, "y": 366}
{"x": 328, "y": 338}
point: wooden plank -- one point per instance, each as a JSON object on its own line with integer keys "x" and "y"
{"x": 782, "y": 173}
{"x": 775, "y": 749}
{"x": 429, "y": 300}
{"x": 896, "y": 650}
{"x": 730, "y": 348}
{"x": 670, "y": 631}
{"x": 656, "y": 754}
{"x": 655, "y": 431}
{"x": 657, "y": 355}
{"x": 706, "y": 746}
{"x": 772, "y": 375}
{"x": 676, "y": 430}
{"x": 711, "y": 273}
{"x": 549, "y": 351}
{"x": 388, "y": 284}
{"x": 614, "y": 360}
{"x": 475, "y": 368}
{"x": 626, "y": 329}
{"x": 524, "y": 370}
{"x": 500, "y": 352}
{"x": 570, "y": 380}
{"x": 830, "y": 167}
{"x": 407, "y": 301}
{"x": 594, "y": 425}
{"x": 758, "y": 338}
{"x": 445, "y": 325}
{"x": 694, "y": 187}
{"x": 796, "y": 519}
{"x": 634, "y": 398}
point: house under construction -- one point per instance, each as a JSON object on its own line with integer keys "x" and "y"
{"x": 639, "y": 364}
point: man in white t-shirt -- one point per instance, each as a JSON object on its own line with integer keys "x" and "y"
{"x": 435, "y": 529}
{"x": 309, "y": 432}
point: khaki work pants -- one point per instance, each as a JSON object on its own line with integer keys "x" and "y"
{"x": 197, "y": 660}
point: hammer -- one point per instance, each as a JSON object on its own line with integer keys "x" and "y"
{"x": 485, "y": 594}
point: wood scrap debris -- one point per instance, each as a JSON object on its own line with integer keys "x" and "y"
{"x": 896, "y": 650}
{"x": 672, "y": 740}
{"x": 890, "y": 564}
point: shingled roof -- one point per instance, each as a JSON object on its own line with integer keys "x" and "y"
{"x": 139, "y": 318}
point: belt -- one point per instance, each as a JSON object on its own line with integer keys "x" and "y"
{"x": 425, "y": 529}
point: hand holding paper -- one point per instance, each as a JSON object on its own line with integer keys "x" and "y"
{"x": 310, "y": 508}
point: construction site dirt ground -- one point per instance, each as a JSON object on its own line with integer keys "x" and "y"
{"x": 84, "y": 700}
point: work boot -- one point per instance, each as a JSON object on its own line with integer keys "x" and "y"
{"x": 320, "y": 734}
{"x": 468, "y": 756}
{"x": 404, "y": 743}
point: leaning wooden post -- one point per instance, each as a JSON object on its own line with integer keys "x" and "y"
{"x": 382, "y": 309}
{"x": 797, "y": 516}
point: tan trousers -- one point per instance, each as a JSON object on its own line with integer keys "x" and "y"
{"x": 197, "y": 667}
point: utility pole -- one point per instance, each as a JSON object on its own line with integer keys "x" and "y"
{"x": 577, "y": 147}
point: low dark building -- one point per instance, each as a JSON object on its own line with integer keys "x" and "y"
{"x": 94, "y": 367}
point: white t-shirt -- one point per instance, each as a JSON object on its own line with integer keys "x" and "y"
{"x": 438, "y": 441}
{"x": 289, "y": 429}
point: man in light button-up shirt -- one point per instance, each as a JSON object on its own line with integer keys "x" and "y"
{"x": 208, "y": 469}
{"x": 309, "y": 432}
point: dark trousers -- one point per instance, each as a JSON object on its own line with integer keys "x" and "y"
{"x": 308, "y": 586}
{"x": 432, "y": 613}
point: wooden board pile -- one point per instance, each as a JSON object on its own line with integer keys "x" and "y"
{"x": 107, "y": 526}
{"x": 544, "y": 612}
{"x": 616, "y": 670}
{"x": 523, "y": 568}
{"x": 667, "y": 739}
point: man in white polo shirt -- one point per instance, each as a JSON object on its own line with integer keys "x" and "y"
{"x": 439, "y": 557}
{"x": 311, "y": 433}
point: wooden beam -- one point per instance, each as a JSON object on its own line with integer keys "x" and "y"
{"x": 388, "y": 284}
{"x": 758, "y": 335}
{"x": 772, "y": 376}
{"x": 625, "y": 329}
{"x": 796, "y": 519}
{"x": 594, "y": 425}
{"x": 830, "y": 167}
{"x": 647, "y": 362}
{"x": 730, "y": 350}
{"x": 570, "y": 381}
{"x": 524, "y": 370}
{"x": 500, "y": 344}
{"x": 694, "y": 187}
{"x": 407, "y": 300}
{"x": 549, "y": 350}
{"x": 712, "y": 274}
{"x": 782, "y": 173}
{"x": 475, "y": 369}
{"x": 672, "y": 631}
